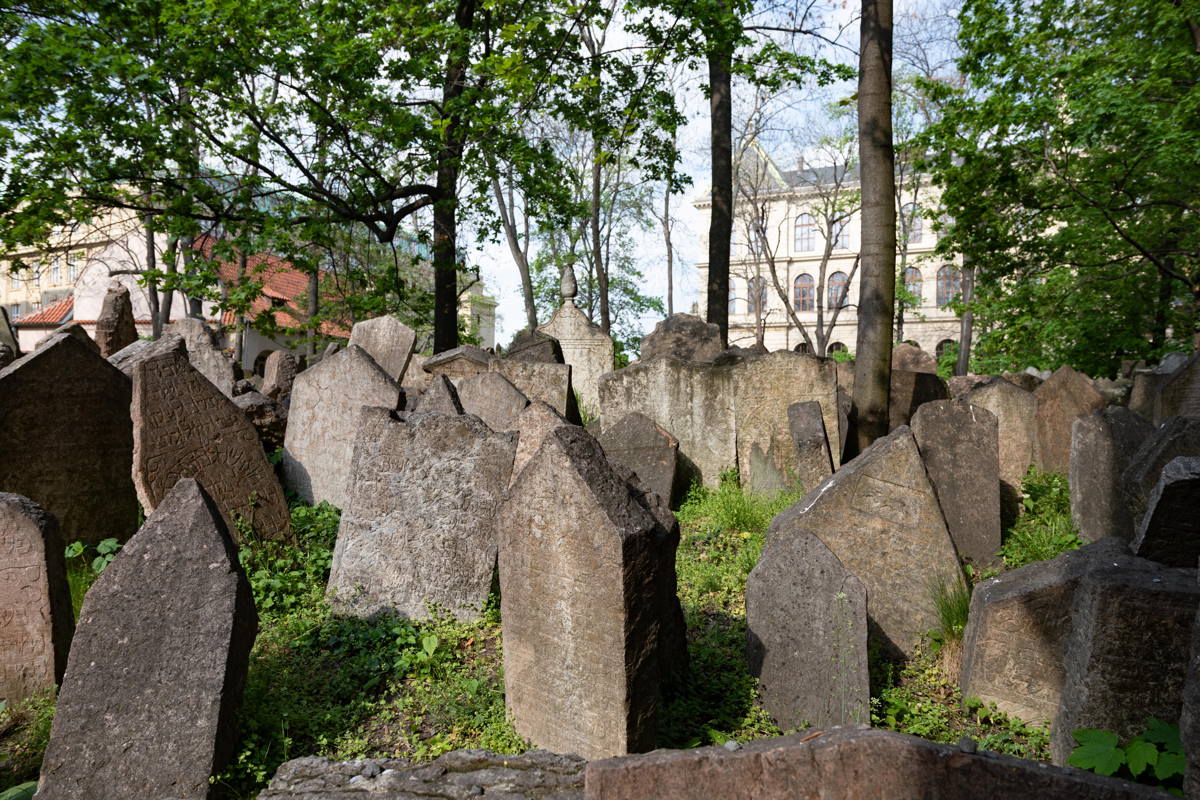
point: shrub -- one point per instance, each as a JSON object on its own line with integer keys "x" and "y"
{"x": 1044, "y": 528}
{"x": 24, "y": 734}
{"x": 1154, "y": 758}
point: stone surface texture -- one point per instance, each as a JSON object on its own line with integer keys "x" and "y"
{"x": 1189, "y": 716}
{"x": 880, "y": 517}
{"x": 535, "y": 422}
{"x": 268, "y": 417}
{"x": 912, "y": 358}
{"x": 1175, "y": 437}
{"x": 911, "y": 390}
{"x": 547, "y": 382}
{"x": 1102, "y": 444}
{"x": 279, "y": 373}
{"x": 1023, "y": 380}
{"x": 36, "y": 621}
{"x": 148, "y": 708}
{"x": 1180, "y": 393}
{"x": 1170, "y": 530}
{"x": 806, "y": 619}
{"x": 67, "y": 439}
{"x": 439, "y": 397}
{"x": 183, "y": 427}
{"x": 115, "y": 328}
{"x": 682, "y": 336}
{"x": 387, "y": 340}
{"x": 585, "y": 347}
{"x": 1016, "y": 414}
{"x": 461, "y": 362}
{"x": 204, "y": 353}
{"x": 323, "y": 421}
{"x": 1066, "y": 395}
{"x": 415, "y": 376}
{"x": 806, "y": 423}
{"x": 590, "y": 615}
{"x": 961, "y": 384}
{"x": 960, "y": 445}
{"x": 493, "y": 398}
{"x": 648, "y": 449}
{"x": 421, "y": 524}
{"x": 535, "y": 346}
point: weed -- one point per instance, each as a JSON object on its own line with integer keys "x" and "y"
{"x": 952, "y": 600}
{"x": 24, "y": 734}
{"x": 1044, "y": 528}
{"x": 85, "y": 562}
{"x": 1154, "y": 758}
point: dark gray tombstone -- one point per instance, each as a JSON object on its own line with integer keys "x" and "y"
{"x": 535, "y": 346}
{"x": 115, "y": 328}
{"x": 814, "y": 463}
{"x": 1175, "y": 437}
{"x": 1170, "y": 530}
{"x": 911, "y": 390}
{"x": 648, "y": 449}
{"x": 1102, "y": 444}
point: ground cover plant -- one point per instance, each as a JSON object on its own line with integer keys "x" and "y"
{"x": 1044, "y": 528}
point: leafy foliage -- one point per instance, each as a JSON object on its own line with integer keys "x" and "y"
{"x": 24, "y": 734}
{"x": 1044, "y": 529}
{"x": 1154, "y": 758}
{"x": 83, "y": 569}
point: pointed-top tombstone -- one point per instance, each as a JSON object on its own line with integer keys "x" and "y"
{"x": 279, "y": 373}
{"x": 389, "y": 341}
{"x": 492, "y": 397}
{"x": 115, "y": 327}
{"x": 1016, "y": 414}
{"x": 647, "y": 448}
{"x": 202, "y": 350}
{"x": 440, "y": 397}
{"x": 533, "y": 425}
{"x": 1102, "y": 444}
{"x": 1064, "y": 396}
{"x": 585, "y": 347}
{"x": 148, "y": 707}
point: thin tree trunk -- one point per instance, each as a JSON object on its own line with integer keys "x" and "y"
{"x": 666, "y": 223}
{"x": 169, "y": 265}
{"x": 152, "y": 283}
{"x": 720, "y": 223}
{"x": 877, "y": 288}
{"x": 597, "y": 246}
{"x": 966, "y": 323}
{"x": 508, "y": 213}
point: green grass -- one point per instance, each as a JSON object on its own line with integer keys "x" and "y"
{"x": 24, "y": 734}
{"x": 952, "y": 599}
{"x": 1044, "y": 528}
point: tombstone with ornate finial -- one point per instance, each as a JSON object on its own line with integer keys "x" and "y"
{"x": 585, "y": 347}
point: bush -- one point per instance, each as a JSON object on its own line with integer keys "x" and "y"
{"x": 1155, "y": 758}
{"x": 1044, "y": 529}
{"x": 24, "y": 734}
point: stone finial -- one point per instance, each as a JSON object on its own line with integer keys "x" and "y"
{"x": 569, "y": 288}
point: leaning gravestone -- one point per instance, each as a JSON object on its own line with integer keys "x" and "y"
{"x": 549, "y": 383}
{"x": 960, "y": 445}
{"x": 806, "y": 422}
{"x": 763, "y": 389}
{"x": 148, "y": 707}
{"x": 115, "y": 328}
{"x": 202, "y": 350}
{"x": 685, "y": 337}
{"x": 1175, "y": 437}
{"x": 533, "y": 426}
{"x": 913, "y": 359}
{"x": 440, "y": 397}
{"x": 1066, "y": 395}
{"x": 36, "y": 622}
{"x": 911, "y": 390}
{"x": 880, "y": 517}
{"x": 585, "y": 347}
{"x": 1126, "y": 657}
{"x": 587, "y": 593}
{"x": 695, "y": 402}
{"x": 67, "y": 439}
{"x": 1170, "y": 530}
{"x": 461, "y": 362}
{"x": 183, "y": 427}
{"x": 492, "y": 397}
{"x": 1102, "y": 444}
{"x": 1016, "y": 415}
{"x": 806, "y": 618}
{"x": 279, "y": 374}
{"x": 533, "y": 345}
{"x": 268, "y": 417}
{"x": 647, "y": 448}
{"x": 323, "y": 422}
{"x": 1180, "y": 393}
{"x": 421, "y": 524}
{"x": 389, "y": 341}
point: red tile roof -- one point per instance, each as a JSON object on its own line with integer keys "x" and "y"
{"x": 51, "y": 316}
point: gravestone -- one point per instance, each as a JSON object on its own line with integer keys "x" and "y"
{"x": 36, "y": 622}
{"x": 880, "y": 517}
{"x": 1102, "y": 445}
{"x": 268, "y": 417}
{"x": 1127, "y": 653}
{"x": 806, "y": 422}
{"x": 1017, "y": 630}
{"x": 1066, "y": 395}
{"x": 148, "y": 707}
{"x": 1170, "y": 529}
{"x": 387, "y": 340}
{"x": 7, "y": 356}
{"x": 533, "y": 425}
{"x": 587, "y": 593}
{"x": 415, "y": 377}
{"x": 695, "y": 402}
{"x": 461, "y": 362}
{"x": 585, "y": 347}
{"x": 547, "y": 382}
{"x": 126, "y": 357}
{"x": 183, "y": 427}
{"x": 323, "y": 422}
{"x": 685, "y": 337}
{"x": 279, "y": 373}
{"x": 911, "y": 390}
{"x": 1016, "y": 414}
{"x": 806, "y": 618}
{"x": 533, "y": 345}
{"x": 421, "y": 524}
{"x": 1189, "y": 717}
{"x": 8, "y": 336}
{"x": 440, "y": 397}
{"x": 203, "y": 352}
{"x": 646, "y": 448}
{"x": 961, "y": 384}
{"x": 912, "y": 359}
{"x": 960, "y": 445}
{"x": 1175, "y": 437}
{"x": 115, "y": 328}
{"x": 1023, "y": 380}
{"x": 67, "y": 439}
{"x": 492, "y": 397}
{"x": 1179, "y": 395}
{"x": 763, "y": 390}
{"x": 75, "y": 331}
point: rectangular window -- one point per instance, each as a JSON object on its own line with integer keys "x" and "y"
{"x": 74, "y": 259}
{"x": 56, "y": 271}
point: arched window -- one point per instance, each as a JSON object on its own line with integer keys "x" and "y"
{"x": 837, "y": 347}
{"x": 804, "y": 293}
{"x": 732, "y": 298}
{"x": 802, "y": 347}
{"x": 756, "y": 296}
{"x": 947, "y": 285}
{"x": 806, "y": 229}
{"x": 912, "y": 285}
{"x": 916, "y": 224}
{"x": 940, "y": 350}
{"x": 838, "y": 288}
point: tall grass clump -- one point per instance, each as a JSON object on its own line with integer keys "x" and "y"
{"x": 1044, "y": 529}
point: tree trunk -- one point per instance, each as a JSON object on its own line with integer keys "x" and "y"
{"x": 597, "y": 247}
{"x": 720, "y": 223}
{"x": 152, "y": 283}
{"x": 966, "y": 323}
{"x": 168, "y": 298}
{"x": 877, "y": 287}
{"x": 666, "y": 222}
{"x": 508, "y": 220}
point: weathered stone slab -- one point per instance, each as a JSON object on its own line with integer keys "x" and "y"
{"x": 763, "y": 390}
{"x": 533, "y": 425}
{"x": 535, "y": 346}
{"x": 268, "y": 417}
{"x": 695, "y": 402}
{"x": 204, "y": 353}
{"x": 115, "y": 328}
{"x": 806, "y": 636}
{"x": 126, "y": 357}
{"x": 1170, "y": 529}
{"x": 960, "y": 445}
{"x": 1066, "y": 395}
{"x": 852, "y": 763}
{"x": 461, "y": 362}
{"x": 550, "y": 383}
{"x": 492, "y": 397}
{"x": 806, "y": 422}
{"x": 279, "y": 373}
{"x": 961, "y": 384}
{"x": 685, "y": 337}
{"x": 387, "y": 340}
{"x": 1016, "y": 414}
{"x": 1024, "y": 380}
{"x": 67, "y": 439}
{"x": 421, "y": 524}
{"x": 323, "y": 422}
{"x": 880, "y": 517}
{"x": 75, "y": 331}
{"x": 1189, "y": 717}
{"x": 1175, "y": 437}
{"x": 8, "y": 336}
{"x": 36, "y": 622}
{"x": 440, "y": 397}
{"x": 7, "y": 356}
{"x": 148, "y": 707}
{"x": 648, "y": 449}
{"x": 912, "y": 359}
{"x": 910, "y": 391}
{"x": 587, "y": 577}
{"x": 183, "y": 427}
{"x": 585, "y": 347}
{"x": 1017, "y": 630}
{"x": 1126, "y": 658}
{"x": 415, "y": 376}
{"x": 1180, "y": 393}
{"x": 1102, "y": 444}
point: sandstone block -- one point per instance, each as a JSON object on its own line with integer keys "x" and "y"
{"x": 493, "y": 398}
{"x": 279, "y": 373}
{"x": 535, "y": 346}
{"x": 204, "y": 353}
{"x": 682, "y": 336}
{"x": 912, "y": 359}
{"x": 1016, "y": 415}
{"x": 806, "y": 422}
{"x": 646, "y": 448}
{"x": 1102, "y": 444}
{"x": 115, "y": 328}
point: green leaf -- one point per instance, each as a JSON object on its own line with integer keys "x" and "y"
{"x": 108, "y": 546}
{"x": 74, "y": 549}
{"x": 429, "y": 644}
{"x": 1139, "y": 754}
{"x": 1097, "y": 751}
{"x": 1165, "y": 734}
{"x": 1169, "y": 765}
{"x": 22, "y": 791}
